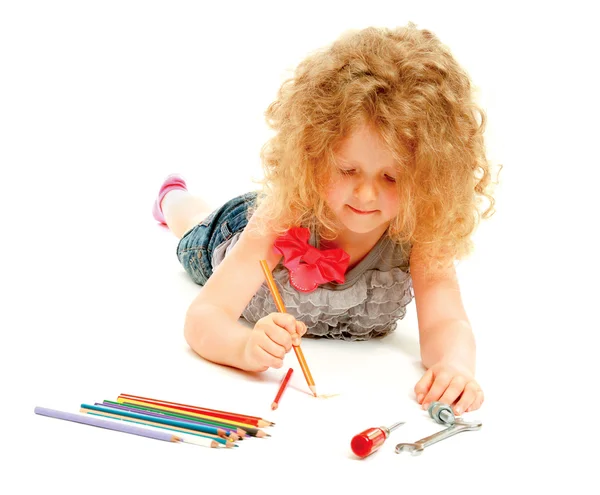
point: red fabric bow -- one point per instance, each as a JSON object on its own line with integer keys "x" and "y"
{"x": 308, "y": 266}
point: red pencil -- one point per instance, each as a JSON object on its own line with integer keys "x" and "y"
{"x": 282, "y": 387}
{"x": 250, "y": 420}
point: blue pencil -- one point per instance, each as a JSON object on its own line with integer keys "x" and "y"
{"x": 222, "y": 441}
{"x": 173, "y": 422}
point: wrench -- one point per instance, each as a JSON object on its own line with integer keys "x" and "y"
{"x": 418, "y": 447}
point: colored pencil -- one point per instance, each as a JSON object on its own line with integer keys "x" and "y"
{"x": 222, "y": 441}
{"x": 282, "y": 387}
{"x": 242, "y": 432}
{"x": 122, "y": 427}
{"x": 244, "y": 426}
{"x": 163, "y": 414}
{"x": 250, "y": 430}
{"x": 166, "y": 421}
{"x": 281, "y": 308}
{"x": 116, "y": 414}
{"x": 235, "y": 417}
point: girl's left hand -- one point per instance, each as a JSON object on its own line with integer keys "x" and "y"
{"x": 451, "y": 384}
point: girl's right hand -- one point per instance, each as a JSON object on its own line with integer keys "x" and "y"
{"x": 270, "y": 339}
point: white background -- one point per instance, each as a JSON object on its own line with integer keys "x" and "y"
{"x": 99, "y": 101}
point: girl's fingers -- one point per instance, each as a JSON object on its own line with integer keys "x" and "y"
{"x": 467, "y": 398}
{"x": 264, "y": 357}
{"x": 423, "y": 385}
{"x": 439, "y": 386}
{"x": 454, "y": 390}
{"x": 300, "y": 330}
{"x": 284, "y": 320}
{"x": 279, "y": 336}
{"x": 269, "y": 344}
{"x": 477, "y": 402}
{"x": 290, "y": 327}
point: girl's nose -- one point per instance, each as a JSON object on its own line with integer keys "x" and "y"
{"x": 365, "y": 192}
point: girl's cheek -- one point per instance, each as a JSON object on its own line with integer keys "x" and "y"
{"x": 335, "y": 192}
{"x": 392, "y": 201}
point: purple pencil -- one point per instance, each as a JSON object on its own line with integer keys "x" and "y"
{"x": 122, "y": 427}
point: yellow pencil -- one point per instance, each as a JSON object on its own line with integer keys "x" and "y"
{"x": 281, "y": 308}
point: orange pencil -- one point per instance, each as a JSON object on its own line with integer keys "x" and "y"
{"x": 281, "y": 308}
{"x": 282, "y": 387}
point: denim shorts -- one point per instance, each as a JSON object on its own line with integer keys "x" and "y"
{"x": 195, "y": 249}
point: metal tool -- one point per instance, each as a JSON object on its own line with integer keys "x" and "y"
{"x": 367, "y": 442}
{"x": 442, "y": 413}
{"x": 418, "y": 447}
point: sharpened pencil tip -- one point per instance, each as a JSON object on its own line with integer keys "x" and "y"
{"x": 274, "y": 406}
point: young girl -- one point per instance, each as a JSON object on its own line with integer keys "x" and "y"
{"x": 374, "y": 182}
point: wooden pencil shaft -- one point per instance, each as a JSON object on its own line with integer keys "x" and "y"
{"x": 281, "y": 308}
{"x": 193, "y": 441}
{"x": 166, "y": 408}
{"x": 272, "y": 287}
{"x": 168, "y": 414}
{"x": 177, "y": 404}
{"x": 249, "y": 430}
{"x": 109, "y": 425}
{"x": 210, "y": 436}
{"x": 282, "y": 387}
{"x": 206, "y": 436}
{"x": 201, "y": 410}
{"x": 172, "y": 422}
{"x": 304, "y": 366}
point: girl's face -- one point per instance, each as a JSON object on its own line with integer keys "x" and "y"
{"x": 363, "y": 193}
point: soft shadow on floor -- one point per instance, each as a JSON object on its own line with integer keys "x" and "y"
{"x": 256, "y": 377}
{"x": 405, "y": 341}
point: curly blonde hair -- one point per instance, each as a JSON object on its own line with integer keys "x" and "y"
{"x": 406, "y": 85}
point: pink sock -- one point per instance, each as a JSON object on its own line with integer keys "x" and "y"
{"x": 171, "y": 183}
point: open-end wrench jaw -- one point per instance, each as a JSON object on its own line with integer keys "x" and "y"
{"x": 420, "y": 445}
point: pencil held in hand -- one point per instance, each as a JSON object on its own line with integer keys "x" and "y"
{"x": 282, "y": 387}
{"x": 281, "y": 308}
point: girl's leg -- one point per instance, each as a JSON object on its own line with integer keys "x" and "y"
{"x": 182, "y": 211}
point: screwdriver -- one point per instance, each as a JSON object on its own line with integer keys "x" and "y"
{"x": 367, "y": 442}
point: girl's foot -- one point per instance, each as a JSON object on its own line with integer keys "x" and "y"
{"x": 171, "y": 183}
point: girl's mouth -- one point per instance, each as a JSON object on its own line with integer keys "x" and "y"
{"x": 362, "y": 212}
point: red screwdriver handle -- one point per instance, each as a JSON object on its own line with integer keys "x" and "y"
{"x": 368, "y": 441}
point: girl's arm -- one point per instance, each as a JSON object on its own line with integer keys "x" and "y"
{"x": 444, "y": 330}
{"x": 446, "y": 340}
{"x": 211, "y": 326}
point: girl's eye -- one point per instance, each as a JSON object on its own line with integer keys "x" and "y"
{"x": 347, "y": 171}
{"x": 389, "y": 178}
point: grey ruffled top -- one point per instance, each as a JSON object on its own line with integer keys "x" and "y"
{"x": 372, "y": 298}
